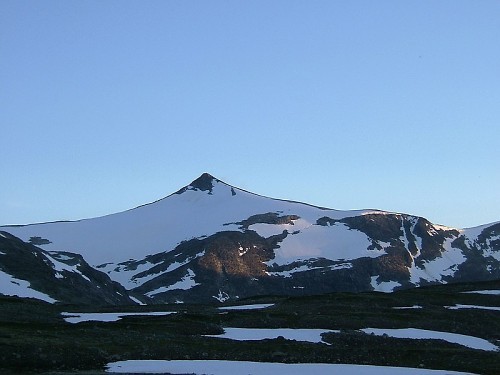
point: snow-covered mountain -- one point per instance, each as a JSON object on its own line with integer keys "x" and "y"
{"x": 212, "y": 241}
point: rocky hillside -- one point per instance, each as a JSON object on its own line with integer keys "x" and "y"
{"x": 27, "y": 271}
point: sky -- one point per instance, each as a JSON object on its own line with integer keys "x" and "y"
{"x": 391, "y": 105}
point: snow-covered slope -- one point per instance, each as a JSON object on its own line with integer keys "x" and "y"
{"x": 211, "y": 239}
{"x": 192, "y": 212}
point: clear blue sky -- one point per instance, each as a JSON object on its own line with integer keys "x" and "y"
{"x": 395, "y": 105}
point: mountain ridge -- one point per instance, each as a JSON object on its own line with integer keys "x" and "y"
{"x": 210, "y": 238}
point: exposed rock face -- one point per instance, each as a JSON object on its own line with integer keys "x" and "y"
{"x": 212, "y": 242}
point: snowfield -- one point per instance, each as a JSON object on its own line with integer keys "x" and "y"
{"x": 248, "y": 334}
{"x": 314, "y": 335}
{"x": 260, "y": 368}
{"x": 413, "y": 333}
{"x": 459, "y": 306}
{"x": 163, "y": 224}
{"x": 106, "y": 317}
{"x": 247, "y": 307}
{"x": 490, "y": 292}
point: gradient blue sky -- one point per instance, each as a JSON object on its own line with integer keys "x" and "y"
{"x": 395, "y": 105}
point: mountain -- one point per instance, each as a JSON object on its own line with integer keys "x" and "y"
{"x": 211, "y": 241}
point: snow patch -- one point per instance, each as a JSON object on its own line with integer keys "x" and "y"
{"x": 268, "y": 230}
{"x": 384, "y": 286}
{"x": 242, "y": 251}
{"x": 414, "y": 333}
{"x": 106, "y": 317}
{"x": 127, "y": 277}
{"x": 60, "y": 257}
{"x": 458, "y": 307}
{"x": 492, "y": 292}
{"x": 434, "y": 270}
{"x": 10, "y": 286}
{"x": 252, "y": 334}
{"x": 58, "y": 266}
{"x": 341, "y": 266}
{"x": 335, "y": 242}
{"x": 407, "y": 307}
{"x": 187, "y": 282}
{"x": 488, "y": 251}
{"x": 217, "y": 367}
{"x": 247, "y": 307}
{"x": 221, "y": 296}
{"x": 137, "y": 301}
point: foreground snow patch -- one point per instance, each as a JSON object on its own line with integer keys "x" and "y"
{"x": 260, "y": 368}
{"x": 407, "y": 307}
{"x": 247, "y": 334}
{"x": 247, "y": 307}
{"x": 491, "y": 292}
{"x": 106, "y": 317}
{"x": 414, "y": 333}
{"x": 458, "y": 307}
{"x": 383, "y": 286}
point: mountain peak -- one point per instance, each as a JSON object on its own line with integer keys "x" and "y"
{"x": 204, "y": 182}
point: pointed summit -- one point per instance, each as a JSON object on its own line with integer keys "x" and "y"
{"x": 204, "y": 182}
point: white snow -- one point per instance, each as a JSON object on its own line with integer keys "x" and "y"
{"x": 383, "y": 286}
{"x": 414, "y": 333}
{"x": 335, "y": 242}
{"x": 242, "y": 251}
{"x": 489, "y": 252}
{"x": 252, "y": 334}
{"x": 307, "y": 267}
{"x": 407, "y": 307}
{"x": 442, "y": 227}
{"x": 289, "y": 273}
{"x": 137, "y": 301}
{"x": 247, "y": 307}
{"x": 107, "y": 317}
{"x": 458, "y": 307}
{"x": 127, "y": 276}
{"x": 341, "y": 266}
{"x": 61, "y": 257}
{"x": 268, "y": 230}
{"x": 492, "y": 292}
{"x": 445, "y": 265}
{"x": 59, "y": 266}
{"x": 187, "y": 282}
{"x": 10, "y": 286}
{"x": 162, "y": 225}
{"x": 472, "y": 234}
{"x": 215, "y": 367}
{"x": 221, "y": 296}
